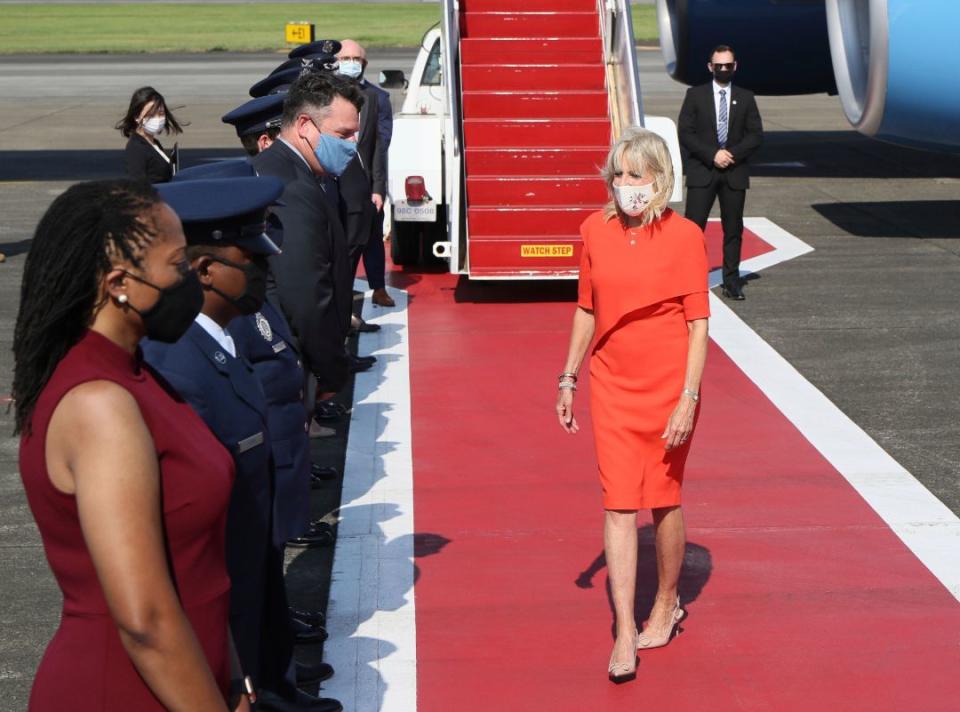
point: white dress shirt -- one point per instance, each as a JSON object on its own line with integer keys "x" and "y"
{"x": 219, "y": 334}
{"x": 716, "y": 102}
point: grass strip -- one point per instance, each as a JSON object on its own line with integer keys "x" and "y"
{"x": 645, "y": 28}
{"x": 241, "y": 27}
{"x": 198, "y": 27}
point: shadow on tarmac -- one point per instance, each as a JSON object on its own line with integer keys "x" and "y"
{"x": 370, "y": 651}
{"x": 514, "y": 292}
{"x": 923, "y": 219}
{"x": 697, "y": 568}
{"x": 83, "y": 165}
{"x": 309, "y": 573}
{"x": 845, "y": 154}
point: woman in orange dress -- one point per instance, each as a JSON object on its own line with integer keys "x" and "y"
{"x": 643, "y": 302}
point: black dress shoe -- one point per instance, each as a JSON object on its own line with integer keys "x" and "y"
{"x": 269, "y": 700}
{"x": 364, "y": 328}
{"x": 315, "y": 536}
{"x": 311, "y": 617}
{"x": 320, "y": 474}
{"x": 311, "y": 674}
{"x": 328, "y": 411}
{"x": 733, "y": 291}
{"x": 325, "y": 472}
{"x": 316, "y": 481}
{"x": 361, "y": 363}
{"x": 306, "y": 633}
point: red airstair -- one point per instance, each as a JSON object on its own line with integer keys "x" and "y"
{"x": 536, "y": 129}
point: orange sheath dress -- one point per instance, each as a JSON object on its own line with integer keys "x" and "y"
{"x": 643, "y": 286}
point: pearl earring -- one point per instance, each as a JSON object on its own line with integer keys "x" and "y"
{"x": 122, "y": 299}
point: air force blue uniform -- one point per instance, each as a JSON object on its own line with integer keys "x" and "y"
{"x": 225, "y": 392}
{"x": 265, "y": 340}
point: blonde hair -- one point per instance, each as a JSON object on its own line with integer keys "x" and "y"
{"x": 643, "y": 150}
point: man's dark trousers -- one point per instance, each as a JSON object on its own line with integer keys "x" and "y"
{"x": 732, "y": 200}
{"x": 374, "y": 257}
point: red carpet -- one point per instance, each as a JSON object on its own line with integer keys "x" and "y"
{"x": 800, "y": 597}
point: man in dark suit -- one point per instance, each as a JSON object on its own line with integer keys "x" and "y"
{"x": 376, "y": 126}
{"x": 719, "y": 128}
{"x": 368, "y": 184}
{"x": 313, "y": 283}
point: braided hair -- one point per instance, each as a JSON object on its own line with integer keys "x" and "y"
{"x": 84, "y": 232}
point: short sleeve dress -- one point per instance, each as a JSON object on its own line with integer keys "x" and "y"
{"x": 643, "y": 285}
{"x": 85, "y": 667}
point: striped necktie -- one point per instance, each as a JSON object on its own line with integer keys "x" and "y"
{"x": 722, "y": 119}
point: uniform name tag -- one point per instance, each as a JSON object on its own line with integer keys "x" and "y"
{"x": 279, "y": 346}
{"x": 249, "y": 443}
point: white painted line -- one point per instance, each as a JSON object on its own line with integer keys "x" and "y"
{"x": 928, "y": 528}
{"x": 371, "y": 615}
{"x": 785, "y": 245}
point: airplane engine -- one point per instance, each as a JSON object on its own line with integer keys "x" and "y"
{"x": 781, "y": 45}
{"x": 893, "y": 63}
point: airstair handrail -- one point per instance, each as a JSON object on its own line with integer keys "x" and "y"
{"x": 451, "y": 50}
{"x": 620, "y": 59}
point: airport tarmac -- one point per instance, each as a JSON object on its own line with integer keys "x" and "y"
{"x": 870, "y": 317}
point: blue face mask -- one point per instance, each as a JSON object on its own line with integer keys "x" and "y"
{"x": 334, "y": 153}
{"x": 351, "y": 68}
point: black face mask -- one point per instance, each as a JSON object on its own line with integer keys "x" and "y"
{"x": 255, "y": 292}
{"x": 723, "y": 76}
{"x": 175, "y": 309}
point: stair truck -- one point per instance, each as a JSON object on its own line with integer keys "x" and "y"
{"x": 508, "y": 115}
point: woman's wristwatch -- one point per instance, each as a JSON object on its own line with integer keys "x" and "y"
{"x": 694, "y": 396}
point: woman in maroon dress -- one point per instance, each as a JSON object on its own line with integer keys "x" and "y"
{"x": 128, "y": 486}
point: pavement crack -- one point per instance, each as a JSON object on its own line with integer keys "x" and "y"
{"x": 34, "y": 119}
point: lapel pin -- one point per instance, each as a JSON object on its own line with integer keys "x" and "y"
{"x": 220, "y": 358}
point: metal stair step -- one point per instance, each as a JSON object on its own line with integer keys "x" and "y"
{"x": 535, "y": 105}
{"x": 530, "y": 24}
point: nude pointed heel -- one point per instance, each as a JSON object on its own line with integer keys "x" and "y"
{"x": 645, "y": 642}
{"x": 622, "y": 672}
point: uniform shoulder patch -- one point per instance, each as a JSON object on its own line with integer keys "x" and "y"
{"x": 263, "y": 326}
